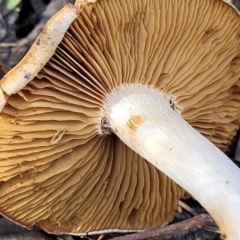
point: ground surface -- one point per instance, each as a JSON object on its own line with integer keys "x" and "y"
{"x": 18, "y": 28}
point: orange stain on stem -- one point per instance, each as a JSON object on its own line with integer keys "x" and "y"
{"x": 134, "y": 122}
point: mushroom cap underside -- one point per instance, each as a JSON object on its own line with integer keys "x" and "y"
{"x": 60, "y": 168}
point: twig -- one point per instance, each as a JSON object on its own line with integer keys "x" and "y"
{"x": 3, "y": 68}
{"x": 195, "y": 222}
{"x": 101, "y": 237}
{"x": 211, "y": 229}
{"x": 187, "y": 208}
{"x": 65, "y": 2}
{"x": 6, "y": 44}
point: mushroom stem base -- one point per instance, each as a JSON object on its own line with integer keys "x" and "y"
{"x": 144, "y": 120}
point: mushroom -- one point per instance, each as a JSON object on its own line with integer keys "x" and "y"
{"x": 112, "y": 96}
